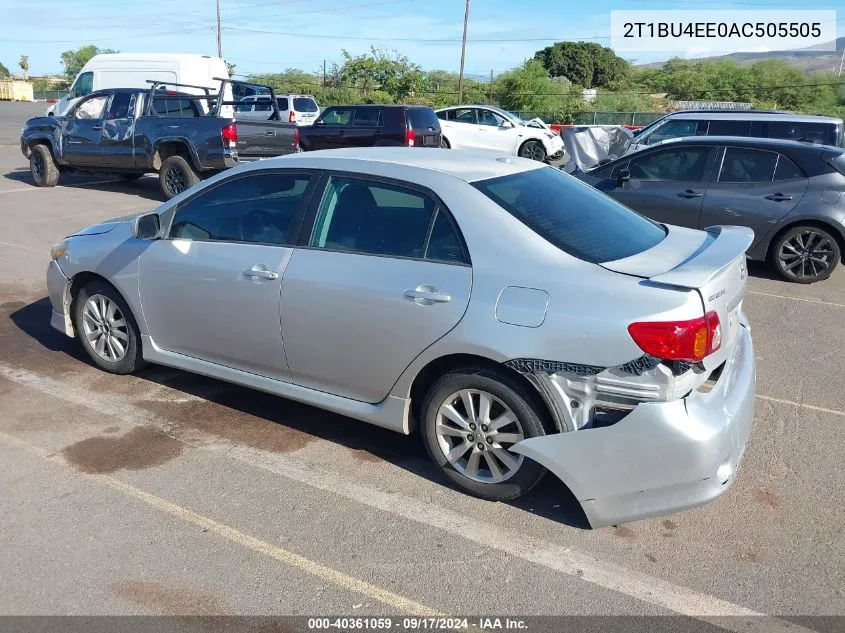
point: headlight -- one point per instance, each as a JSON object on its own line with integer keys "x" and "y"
{"x": 58, "y": 250}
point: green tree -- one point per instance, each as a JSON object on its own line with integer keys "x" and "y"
{"x": 4, "y": 72}
{"x": 24, "y": 65}
{"x": 585, "y": 63}
{"x": 231, "y": 68}
{"x": 529, "y": 87}
{"x": 388, "y": 71}
{"x": 441, "y": 89}
{"x": 73, "y": 61}
{"x": 291, "y": 80}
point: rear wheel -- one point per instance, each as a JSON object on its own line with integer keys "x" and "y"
{"x": 805, "y": 254}
{"x": 175, "y": 176}
{"x": 444, "y": 143}
{"x": 533, "y": 150}
{"x": 45, "y": 172}
{"x": 471, "y": 419}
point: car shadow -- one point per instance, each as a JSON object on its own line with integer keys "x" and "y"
{"x": 146, "y": 187}
{"x": 295, "y": 424}
{"x": 763, "y": 270}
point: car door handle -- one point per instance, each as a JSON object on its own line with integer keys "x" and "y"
{"x": 260, "y": 273}
{"x": 97, "y": 127}
{"x": 778, "y": 197}
{"x": 427, "y": 296}
{"x": 689, "y": 193}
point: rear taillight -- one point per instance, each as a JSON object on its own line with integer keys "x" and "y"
{"x": 292, "y": 117}
{"x": 409, "y": 138}
{"x": 689, "y": 341}
{"x": 230, "y": 136}
{"x": 296, "y": 139}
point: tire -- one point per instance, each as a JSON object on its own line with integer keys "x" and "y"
{"x": 504, "y": 392}
{"x": 534, "y": 150}
{"x": 127, "y": 336}
{"x": 42, "y": 166}
{"x": 175, "y": 176}
{"x": 444, "y": 143}
{"x": 798, "y": 264}
{"x": 130, "y": 177}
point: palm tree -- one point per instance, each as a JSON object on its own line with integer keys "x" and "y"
{"x": 24, "y": 64}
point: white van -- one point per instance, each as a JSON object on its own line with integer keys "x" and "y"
{"x": 133, "y": 70}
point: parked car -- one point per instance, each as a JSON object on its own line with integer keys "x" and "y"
{"x": 746, "y": 123}
{"x": 592, "y": 342}
{"x": 135, "y": 70}
{"x": 791, "y": 194}
{"x": 299, "y": 109}
{"x": 372, "y": 126}
{"x": 132, "y": 132}
{"x": 491, "y": 129}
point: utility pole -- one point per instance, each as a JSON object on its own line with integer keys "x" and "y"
{"x": 463, "y": 55}
{"x": 219, "y": 36}
{"x": 324, "y": 73}
{"x": 841, "y": 61}
{"x": 490, "y": 97}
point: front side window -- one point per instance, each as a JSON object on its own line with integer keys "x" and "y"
{"x": 91, "y": 108}
{"x": 84, "y": 85}
{"x": 337, "y": 116}
{"x": 673, "y": 129}
{"x": 571, "y": 215}
{"x": 681, "y": 164}
{"x": 486, "y": 117}
{"x": 373, "y": 218}
{"x": 747, "y": 165}
{"x": 257, "y": 208}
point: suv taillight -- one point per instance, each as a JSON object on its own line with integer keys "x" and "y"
{"x": 292, "y": 117}
{"x": 689, "y": 341}
{"x": 230, "y": 136}
{"x": 409, "y": 137}
{"x": 296, "y": 139}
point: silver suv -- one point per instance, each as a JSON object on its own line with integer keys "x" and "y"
{"x": 294, "y": 108}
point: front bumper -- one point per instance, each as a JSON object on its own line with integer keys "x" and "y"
{"x": 58, "y": 289}
{"x": 662, "y": 457}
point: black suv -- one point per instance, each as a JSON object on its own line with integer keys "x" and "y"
{"x": 372, "y": 126}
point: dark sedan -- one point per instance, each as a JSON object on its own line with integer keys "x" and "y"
{"x": 791, "y": 194}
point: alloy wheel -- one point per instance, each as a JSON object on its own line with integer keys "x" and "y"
{"x": 533, "y": 150}
{"x": 105, "y": 328}
{"x": 806, "y": 255}
{"x": 37, "y": 165}
{"x": 175, "y": 180}
{"x": 475, "y": 431}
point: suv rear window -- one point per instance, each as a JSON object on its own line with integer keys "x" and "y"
{"x": 809, "y": 132}
{"x": 572, "y": 215}
{"x": 423, "y": 119}
{"x": 304, "y": 104}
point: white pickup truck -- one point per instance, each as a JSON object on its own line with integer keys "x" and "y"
{"x": 488, "y": 128}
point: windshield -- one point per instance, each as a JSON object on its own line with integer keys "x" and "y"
{"x": 572, "y": 215}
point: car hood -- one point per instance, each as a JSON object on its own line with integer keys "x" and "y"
{"x": 106, "y": 226}
{"x": 587, "y": 146}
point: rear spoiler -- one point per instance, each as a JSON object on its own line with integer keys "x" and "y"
{"x": 713, "y": 256}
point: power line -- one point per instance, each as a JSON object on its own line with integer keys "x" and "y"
{"x": 407, "y": 39}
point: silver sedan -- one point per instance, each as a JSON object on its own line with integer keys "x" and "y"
{"x": 522, "y": 320}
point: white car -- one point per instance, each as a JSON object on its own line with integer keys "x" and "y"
{"x": 495, "y": 130}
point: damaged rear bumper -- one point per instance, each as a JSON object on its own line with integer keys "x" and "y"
{"x": 662, "y": 457}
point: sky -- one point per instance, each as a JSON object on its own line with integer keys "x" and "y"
{"x": 272, "y": 35}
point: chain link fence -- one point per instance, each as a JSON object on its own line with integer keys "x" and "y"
{"x": 597, "y": 118}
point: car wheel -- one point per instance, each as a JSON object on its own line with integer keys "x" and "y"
{"x": 108, "y": 331}
{"x": 130, "y": 177}
{"x": 805, "y": 254}
{"x": 444, "y": 143}
{"x": 44, "y": 170}
{"x": 471, "y": 418}
{"x": 533, "y": 150}
{"x": 175, "y": 176}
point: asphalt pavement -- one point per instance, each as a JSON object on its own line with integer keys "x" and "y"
{"x": 168, "y": 493}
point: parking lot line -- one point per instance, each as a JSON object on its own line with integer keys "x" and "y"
{"x": 344, "y": 581}
{"x": 811, "y": 407}
{"x": 640, "y": 586}
{"x": 776, "y": 296}
{"x": 34, "y": 188}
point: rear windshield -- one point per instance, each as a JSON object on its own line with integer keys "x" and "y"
{"x": 423, "y": 119}
{"x": 304, "y": 104}
{"x": 572, "y": 215}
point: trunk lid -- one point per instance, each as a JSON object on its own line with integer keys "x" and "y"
{"x": 711, "y": 262}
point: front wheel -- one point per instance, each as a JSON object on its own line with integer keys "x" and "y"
{"x": 175, "y": 176}
{"x": 805, "y": 254}
{"x": 533, "y": 150}
{"x": 471, "y": 420}
{"x": 42, "y": 166}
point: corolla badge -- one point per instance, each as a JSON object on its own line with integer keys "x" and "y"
{"x": 716, "y": 296}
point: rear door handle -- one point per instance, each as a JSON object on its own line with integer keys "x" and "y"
{"x": 260, "y": 272}
{"x": 778, "y": 197}
{"x": 426, "y": 296}
{"x": 689, "y": 193}
{"x": 97, "y": 127}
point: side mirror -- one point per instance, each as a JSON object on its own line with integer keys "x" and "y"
{"x": 623, "y": 176}
{"x": 505, "y": 125}
{"x": 147, "y": 227}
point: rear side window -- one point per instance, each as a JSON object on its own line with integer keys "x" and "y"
{"x": 368, "y": 117}
{"x": 423, "y": 119}
{"x": 304, "y": 104}
{"x": 729, "y": 128}
{"x": 747, "y": 165}
{"x": 838, "y": 163}
{"x": 122, "y": 106}
{"x": 786, "y": 169}
{"x": 575, "y": 217}
{"x": 282, "y": 102}
{"x": 175, "y": 108}
{"x": 809, "y": 132}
